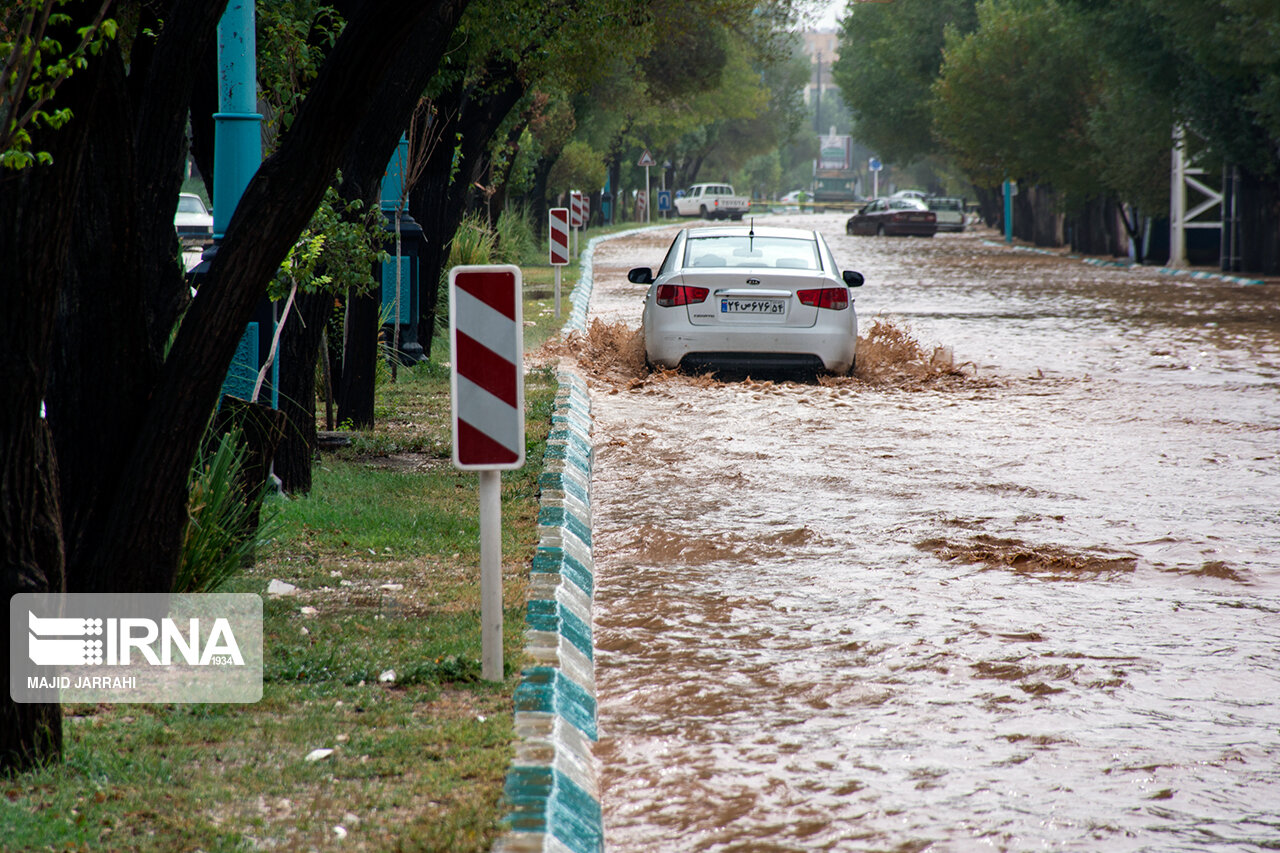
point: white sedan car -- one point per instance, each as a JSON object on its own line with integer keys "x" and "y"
{"x": 744, "y": 299}
{"x": 192, "y": 219}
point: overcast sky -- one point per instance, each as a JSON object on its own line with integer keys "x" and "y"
{"x": 831, "y": 11}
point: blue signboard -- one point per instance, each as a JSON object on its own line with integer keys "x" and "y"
{"x": 664, "y": 201}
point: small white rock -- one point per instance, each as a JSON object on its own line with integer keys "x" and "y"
{"x": 340, "y": 832}
{"x": 392, "y": 587}
{"x": 279, "y": 587}
{"x": 319, "y": 754}
{"x": 387, "y": 676}
{"x": 308, "y": 611}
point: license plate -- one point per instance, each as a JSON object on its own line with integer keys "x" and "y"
{"x": 752, "y": 306}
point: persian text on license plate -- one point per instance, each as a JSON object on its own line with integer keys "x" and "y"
{"x": 752, "y": 306}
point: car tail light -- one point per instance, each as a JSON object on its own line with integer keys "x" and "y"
{"x": 671, "y": 295}
{"x": 835, "y": 298}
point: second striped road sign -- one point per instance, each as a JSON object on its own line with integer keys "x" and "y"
{"x": 558, "y": 231}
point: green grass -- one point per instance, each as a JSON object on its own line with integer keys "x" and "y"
{"x": 384, "y": 552}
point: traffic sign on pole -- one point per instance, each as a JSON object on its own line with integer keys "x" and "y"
{"x": 559, "y": 233}
{"x": 486, "y": 331}
{"x": 646, "y": 160}
{"x": 577, "y": 216}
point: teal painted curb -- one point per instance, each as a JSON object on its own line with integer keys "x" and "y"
{"x": 551, "y": 791}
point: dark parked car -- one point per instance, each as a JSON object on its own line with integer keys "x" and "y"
{"x": 894, "y": 217}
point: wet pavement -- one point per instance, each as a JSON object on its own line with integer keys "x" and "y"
{"x": 1031, "y": 602}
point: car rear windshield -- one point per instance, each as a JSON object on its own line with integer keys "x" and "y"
{"x": 946, "y": 204}
{"x": 745, "y": 251}
{"x": 190, "y": 204}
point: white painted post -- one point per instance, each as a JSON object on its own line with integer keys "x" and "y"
{"x": 648, "y": 217}
{"x": 491, "y": 575}
{"x": 1178, "y": 203}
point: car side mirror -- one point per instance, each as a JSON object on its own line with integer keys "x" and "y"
{"x": 853, "y": 278}
{"x": 640, "y": 275}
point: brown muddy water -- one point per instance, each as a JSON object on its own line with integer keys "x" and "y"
{"x": 1032, "y": 606}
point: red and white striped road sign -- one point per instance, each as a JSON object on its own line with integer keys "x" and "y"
{"x": 577, "y": 210}
{"x": 486, "y": 330}
{"x": 559, "y": 231}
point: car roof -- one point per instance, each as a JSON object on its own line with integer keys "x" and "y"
{"x": 744, "y": 230}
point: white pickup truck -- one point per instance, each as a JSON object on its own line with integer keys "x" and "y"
{"x": 712, "y": 201}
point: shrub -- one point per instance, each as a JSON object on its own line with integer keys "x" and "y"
{"x": 219, "y": 539}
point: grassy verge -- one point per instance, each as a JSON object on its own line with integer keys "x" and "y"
{"x": 384, "y": 556}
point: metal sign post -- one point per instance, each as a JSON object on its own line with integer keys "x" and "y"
{"x": 558, "y": 234}
{"x": 646, "y": 160}
{"x": 486, "y": 334}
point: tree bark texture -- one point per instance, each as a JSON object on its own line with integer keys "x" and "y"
{"x": 1094, "y": 228}
{"x": 261, "y": 428}
{"x": 1036, "y": 217}
{"x": 36, "y": 207}
{"x": 1259, "y": 224}
{"x": 359, "y": 361}
{"x": 299, "y": 351}
{"x": 991, "y": 206}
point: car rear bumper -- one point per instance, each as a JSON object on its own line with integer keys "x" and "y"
{"x": 759, "y": 348}
{"x": 910, "y": 229}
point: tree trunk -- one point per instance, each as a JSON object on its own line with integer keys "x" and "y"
{"x": 1259, "y": 206}
{"x": 1036, "y": 217}
{"x": 30, "y": 733}
{"x": 1092, "y": 227}
{"x": 359, "y": 360}
{"x": 36, "y": 208}
{"x": 991, "y": 206}
{"x": 261, "y": 428}
{"x": 299, "y": 350}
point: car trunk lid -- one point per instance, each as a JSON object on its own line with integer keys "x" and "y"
{"x": 746, "y": 297}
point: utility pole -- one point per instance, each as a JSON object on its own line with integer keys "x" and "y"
{"x": 817, "y": 98}
{"x": 237, "y": 153}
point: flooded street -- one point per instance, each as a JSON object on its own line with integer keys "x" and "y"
{"x": 1032, "y": 606}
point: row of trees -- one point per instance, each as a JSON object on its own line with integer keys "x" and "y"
{"x": 1077, "y": 101}
{"x": 110, "y": 369}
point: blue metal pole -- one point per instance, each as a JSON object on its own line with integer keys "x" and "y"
{"x": 401, "y": 308}
{"x": 1008, "y": 211}
{"x": 393, "y": 192}
{"x": 237, "y": 153}
{"x": 237, "y": 137}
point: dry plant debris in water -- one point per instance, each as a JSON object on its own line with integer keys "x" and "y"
{"x": 888, "y": 354}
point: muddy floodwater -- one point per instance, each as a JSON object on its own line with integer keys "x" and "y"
{"x": 1029, "y": 601}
